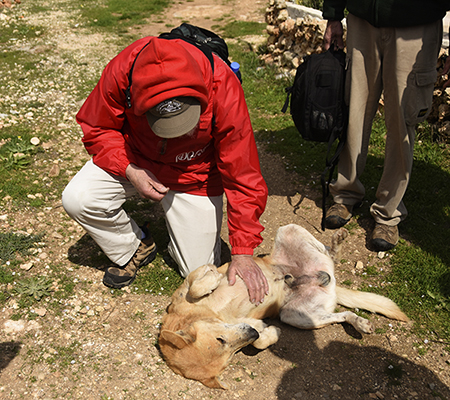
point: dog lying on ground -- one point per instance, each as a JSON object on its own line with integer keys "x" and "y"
{"x": 208, "y": 321}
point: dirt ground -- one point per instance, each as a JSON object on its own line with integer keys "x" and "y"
{"x": 103, "y": 346}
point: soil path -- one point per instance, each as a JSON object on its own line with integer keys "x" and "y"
{"x": 103, "y": 347}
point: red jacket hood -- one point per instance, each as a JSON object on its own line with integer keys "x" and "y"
{"x": 163, "y": 70}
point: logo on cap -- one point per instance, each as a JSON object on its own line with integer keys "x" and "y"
{"x": 168, "y": 107}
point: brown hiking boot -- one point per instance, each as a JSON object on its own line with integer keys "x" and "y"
{"x": 338, "y": 215}
{"x": 118, "y": 277}
{"x": 384, "y": 237}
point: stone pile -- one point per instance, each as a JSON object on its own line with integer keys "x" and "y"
{"x": 290, "y": 39}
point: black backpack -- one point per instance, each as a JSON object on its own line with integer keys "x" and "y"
{"x": 318, "y": 107}
{"x": 208, "y": 42}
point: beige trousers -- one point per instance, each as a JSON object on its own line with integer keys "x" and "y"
{"x": 401, "y": 64}
{"x": 94, "y": 199}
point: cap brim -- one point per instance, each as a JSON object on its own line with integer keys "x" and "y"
{"x": 177, "y": 125}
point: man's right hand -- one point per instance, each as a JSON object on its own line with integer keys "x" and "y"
{"x": 333, "y": 34}
{"x": 146, "y": 183}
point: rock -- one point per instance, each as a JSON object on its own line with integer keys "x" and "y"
{"x": 40, "y": 311}
{"x": 14, "y": 326}
{"x": 54, "y": 170}
{"x": 26, "y": 266}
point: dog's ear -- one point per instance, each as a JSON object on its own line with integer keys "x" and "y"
{"x": 177, "y": 339}
{"x": 214, "y": 383}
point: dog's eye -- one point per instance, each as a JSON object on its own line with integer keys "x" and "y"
{"x": 221, "y": 340}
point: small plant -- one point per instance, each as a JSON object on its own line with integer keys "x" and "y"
{"x": 36, "y": 287}
{"x": 442, "y": 302}
{"x": 16, "y": 153}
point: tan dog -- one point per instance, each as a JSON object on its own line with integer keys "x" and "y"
{"x": 208, "y": 321}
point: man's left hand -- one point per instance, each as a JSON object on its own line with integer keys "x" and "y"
{"x": 246, "y": 268}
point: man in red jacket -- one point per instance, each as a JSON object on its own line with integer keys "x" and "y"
{"x": 183, "y": 138}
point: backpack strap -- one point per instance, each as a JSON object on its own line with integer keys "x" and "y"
{"x": 331, "y": 164}
{"x": 130, "y": 81}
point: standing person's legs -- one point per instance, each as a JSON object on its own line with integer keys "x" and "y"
{"x": 363, "y": 91}
{"x": 194, "y": 224}
{"x": 94, "y": 199}
{"x": 409, "y": 74}
{"x": 364, "y": 86}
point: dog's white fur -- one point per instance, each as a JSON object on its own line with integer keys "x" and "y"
{"x": 209, "y": 320}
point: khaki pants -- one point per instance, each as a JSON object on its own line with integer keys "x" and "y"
{"x": 94, "y": 199}
{"x": 401, "y": 63}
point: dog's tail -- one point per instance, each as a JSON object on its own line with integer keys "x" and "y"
{"x": 369, "y": 301}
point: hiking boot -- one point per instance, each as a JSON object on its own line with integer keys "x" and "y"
{"x": 384, "y": 237}
{"x": 338, "y": 215}
{"x": 118, "y": 277}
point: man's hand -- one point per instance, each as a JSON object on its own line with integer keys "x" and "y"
{"x": 245, "y": 267}
{"x": 334, "y": 34}
{"x": 146, "y": 183}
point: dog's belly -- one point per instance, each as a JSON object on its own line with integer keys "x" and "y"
{"x": 232, "y": 302}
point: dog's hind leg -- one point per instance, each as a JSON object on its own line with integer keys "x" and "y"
{"x": 304, "y": 320}
{"x": 336, "y": 244}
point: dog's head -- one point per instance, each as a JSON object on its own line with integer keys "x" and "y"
{"x": 202, "y": 349}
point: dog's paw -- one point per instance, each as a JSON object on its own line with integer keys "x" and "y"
{"x": 267, "y": 337}
{"x": 203, "y": 281}
{"x": 339, "y": 236}
{"x": 363, "y": 325}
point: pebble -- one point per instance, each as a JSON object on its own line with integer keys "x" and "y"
{"x": 27, "y": 266}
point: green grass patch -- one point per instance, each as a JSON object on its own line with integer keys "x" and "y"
{"x": 235, "y": 29}
{"x": 12, "y": 245}
{"x": 158, "y": 278}
{"x": 18, "y": 29}
{"x": 118, "y": 15}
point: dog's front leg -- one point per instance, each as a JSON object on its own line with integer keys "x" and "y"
{"x": 268, "y": 334}
{"x": 204, "y": 280}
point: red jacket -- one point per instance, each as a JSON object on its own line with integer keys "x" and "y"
{"x": 221, "y": 157}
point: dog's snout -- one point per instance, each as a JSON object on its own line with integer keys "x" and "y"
{"x": 249, "y": 332}
{"x": 254, "y": 333}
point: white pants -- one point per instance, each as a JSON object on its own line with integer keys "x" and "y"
{"x": 94, "y": 199}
